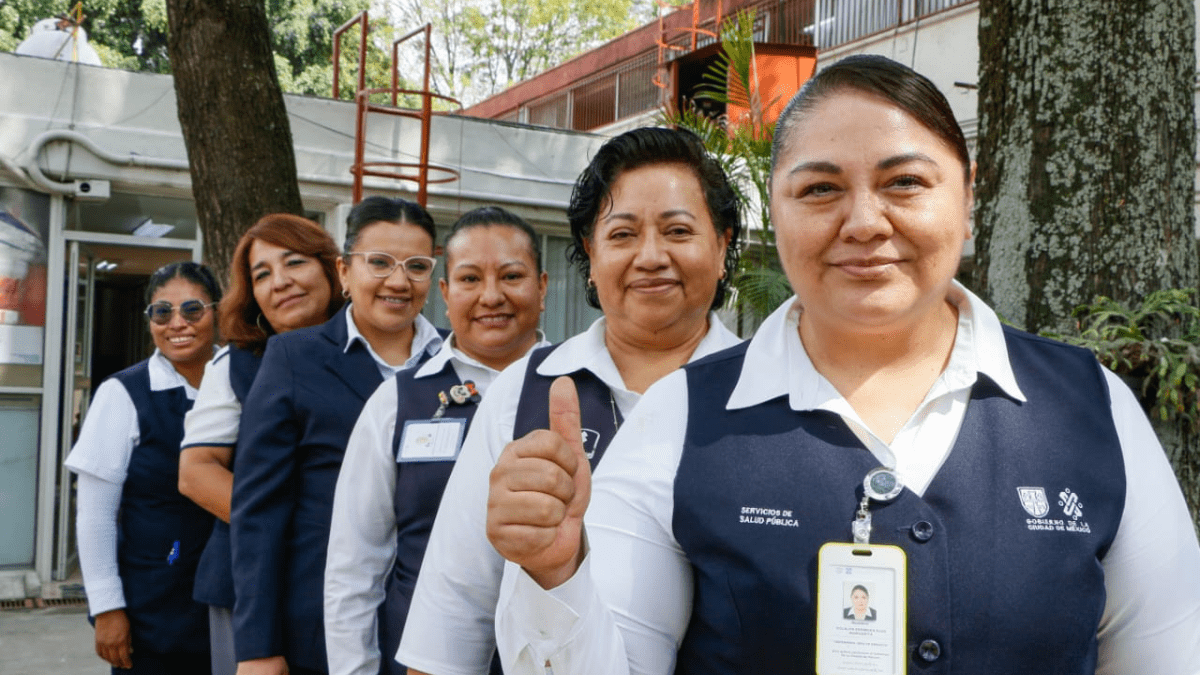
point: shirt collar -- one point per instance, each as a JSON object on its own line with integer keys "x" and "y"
{"x": 448, "y": 353}
{"x": 979, "y": 348}
{"x": 164, "y": 376}
{"x": 588, "y": 351}
{"x": 426, "y": 339}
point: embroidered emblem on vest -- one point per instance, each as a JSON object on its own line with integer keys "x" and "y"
{"x": 1070, "y": 503}
{"x": 1034, "y": 501}
{"x": 754, "y": 515}
{"x": 591, "y": 440}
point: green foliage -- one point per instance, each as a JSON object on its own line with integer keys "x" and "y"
{"x": 132, "y": 35}
{"x": 10, "y": 23}
{"x": 129, "y": 34}
{"x": 302, "y": 39}
{"x": 132, "y": 30}
{"x": 743, "y": 147}
{"x": 1155, "y": 342}
{"x": 482, "y": 46}
{"x": 516, "y": 39}
{"x": 18, "y": 16}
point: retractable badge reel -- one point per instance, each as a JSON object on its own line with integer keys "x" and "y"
{"x": 862, "y": 594}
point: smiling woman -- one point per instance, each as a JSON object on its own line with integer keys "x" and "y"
{"x": 296, "y": 421}
{"x": 494, "y": 288}
{"x": 139, "y": 539}
{"x": 656, "y": 257}
{"x": 655, "y": 228}
{"x": 283, "y": 276}
{"x": 385, "y": 271}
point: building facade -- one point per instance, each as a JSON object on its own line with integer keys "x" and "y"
{"x": 95, "y": 194}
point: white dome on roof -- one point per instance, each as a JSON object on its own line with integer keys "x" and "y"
{"x": 46, "y": 40}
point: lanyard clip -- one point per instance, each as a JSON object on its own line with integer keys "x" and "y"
{"x": 861, "y": 525}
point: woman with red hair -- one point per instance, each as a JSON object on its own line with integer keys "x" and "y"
{"x": 283, "y": 276}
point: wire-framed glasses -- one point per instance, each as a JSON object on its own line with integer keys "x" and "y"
{"x": 381, "y": 265}
{"x": 191, "y": 311}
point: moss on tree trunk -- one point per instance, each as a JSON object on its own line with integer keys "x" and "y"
{"x": 1086, "y": 163}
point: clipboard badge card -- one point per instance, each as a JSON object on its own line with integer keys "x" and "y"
{"x": 861, "y": 610}
{"x": 432, "y": 440}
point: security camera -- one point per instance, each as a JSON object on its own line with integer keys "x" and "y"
{"x": 92, "y": 190}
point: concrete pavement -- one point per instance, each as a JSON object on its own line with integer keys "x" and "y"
{"x": 48, "y": 641}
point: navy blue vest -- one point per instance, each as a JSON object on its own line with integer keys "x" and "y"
{"x": 419, "y": 488}
{"x": 598, "y": 413}
{"x": 992, "y": 587}
{"x": 214, "y": 576}
{"x": 160, "y": 532}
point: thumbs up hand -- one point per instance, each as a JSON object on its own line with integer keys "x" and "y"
{"x": 539, "y": 491}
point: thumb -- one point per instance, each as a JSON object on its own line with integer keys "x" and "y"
{"x": 565, "y": 421}
{"x": 564, "y": 412}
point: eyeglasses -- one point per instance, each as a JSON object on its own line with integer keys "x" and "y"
{"x": 381, "y": 265}
{"x": 191, "y": 311}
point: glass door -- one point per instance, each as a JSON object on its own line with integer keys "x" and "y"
{"x": 77, "y": 389}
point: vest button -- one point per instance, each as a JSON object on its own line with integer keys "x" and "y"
{"x": 930, "y": 650}
{"x": 922, "y": 530}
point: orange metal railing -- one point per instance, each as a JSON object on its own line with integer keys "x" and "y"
{"x": 417, "y": 172}
{"x": 694, "y": 31}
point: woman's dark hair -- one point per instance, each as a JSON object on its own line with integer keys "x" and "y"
{"x": 494, "y": 215}
{"x": 859, "y": 587}
{"x": 375, "y": 209}
{"x": 242, "y": 320}
{"x": 644, "y": 147}
{"x": 879, "y": 76}
{"x": 189, "y": 271}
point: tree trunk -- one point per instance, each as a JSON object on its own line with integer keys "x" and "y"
{"x": 1086, "y": 163}
{"x": 234, "y": 122}
{"x": 1086, "y": 154}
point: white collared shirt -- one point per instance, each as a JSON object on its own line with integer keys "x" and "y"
{"x": 425, "y": 340}
{"x": 362, "y": 536}
{"x": 597, "y": 623}
{"x": 778, "y": 365}
{"x": 450, "y": 622}
{"x": 216, "y": 415}
{"x": 100, "y": 458}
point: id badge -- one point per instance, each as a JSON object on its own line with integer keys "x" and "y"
{"x": 435, "y": 440}
{"x": 861, "y": 610}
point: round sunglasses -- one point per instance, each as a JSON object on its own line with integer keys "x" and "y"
{"x": 191, "y": 311}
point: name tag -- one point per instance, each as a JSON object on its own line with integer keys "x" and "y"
{"x": 861, "y": 610}
{"x": 436, "y": 440}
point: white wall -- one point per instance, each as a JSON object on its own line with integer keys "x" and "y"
{"x": 133, "y": 116}
{"x": 943, "y": 47}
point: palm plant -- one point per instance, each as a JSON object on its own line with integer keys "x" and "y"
{"x": 743, "y": 147}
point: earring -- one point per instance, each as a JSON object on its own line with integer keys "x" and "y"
{"x": 258, "y": 322}
{"x": 346, "y": 294}
{"x": 591, "y": 283}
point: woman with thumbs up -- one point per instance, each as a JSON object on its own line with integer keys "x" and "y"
{"x": 882, "y": 434}
{"x": 656, "y": 232}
